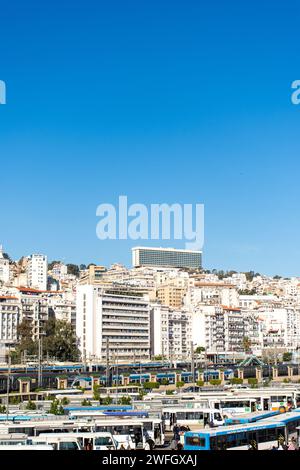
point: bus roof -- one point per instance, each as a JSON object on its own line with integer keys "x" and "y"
{"x": 250, "y": 417}
{"x": 224, "y": 430}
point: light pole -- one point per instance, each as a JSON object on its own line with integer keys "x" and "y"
{"x": 8, "y": 384}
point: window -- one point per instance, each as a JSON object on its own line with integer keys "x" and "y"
{"x": 69, "y": 446}
{"x": 195, "y": 441}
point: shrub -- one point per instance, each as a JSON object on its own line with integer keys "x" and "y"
{"x": 31, "y": 406}
{"x": 236, "y": 381}
{"x": 125, "y": 401}
{"x": 180, "y": 384}
{"x": 200, "y": 383}
{"x": 252, "y": 381}
{"x": 56, "y": 408}
{"x": 86, "y": 402}
{"x": 65, "y": 401}
{"x": 151, "y": 385}
{"x": 96, "y": 392}
{"x": 165, "y": 382}
{"x": 215, "y": 382}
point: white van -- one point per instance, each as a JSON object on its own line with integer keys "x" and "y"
{"x": 57, "y": 441}
{"x": 86, "y": 441}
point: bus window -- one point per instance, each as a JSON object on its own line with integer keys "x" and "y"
{"x": 195, "y": 441}
{"x": 103, "y": 441}
{"x": 68, "y": 446}
{"x": 218, "y": 417}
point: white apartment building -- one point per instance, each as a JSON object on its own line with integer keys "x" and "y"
{"x": 4, "y": 267}
{"x": 218, "y": 328}
{"x": 112, "y": 320}
{"x": 171, "y": 332}
{"x": 37, "y": 272}
{"x": 64, "y": 309}
{"x": 59, "y": 271}
{"x": 213, "y": 294}
{"x": 34, "y": 309}
{"x": 281, "y": 327}
{"x": 9, "y": 321}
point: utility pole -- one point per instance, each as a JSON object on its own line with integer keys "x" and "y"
{"x": 192, "y": 362}
{"x": 8, "y": 384}
{"x": 40, "y": 367}
{"x": 141, "y": 367}
{"x": 107, "y": 362}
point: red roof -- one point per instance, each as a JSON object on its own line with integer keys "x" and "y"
{"x": 36, "y": 291}
{"x": 8, "y": 297}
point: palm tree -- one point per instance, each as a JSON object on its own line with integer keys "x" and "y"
{"x": 247, "y": 344}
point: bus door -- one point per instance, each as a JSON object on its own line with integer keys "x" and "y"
{"x": 87, "y": 443}
{"x": 253, "y": 406}
{"x": 266, "y": 404}
{"x": 158, "y": 434}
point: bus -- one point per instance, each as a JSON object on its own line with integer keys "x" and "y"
{"x": 278, "y": 399}
{"x": 192, "y": 417}
{"x": 250, "y": 417}
{"x": 72, "y": 410}
{"x": 30, "y": 447}
{"x": 153, "y": 426}
{"x": 87, "y": 441}
{"x": 35, "y": 428}
{"x": 234, "y": 405}
{"x": 127, "y": 432}
{"x": 264, "y": 435}
{"x": 94, "y": 414}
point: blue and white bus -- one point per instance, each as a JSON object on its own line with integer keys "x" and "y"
{"x": 265, "y": 434}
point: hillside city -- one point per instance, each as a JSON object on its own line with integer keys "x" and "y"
{"x": 145, "y": 312}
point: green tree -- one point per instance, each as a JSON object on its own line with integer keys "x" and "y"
{"x": 287, "y": 357}
{"x": 26, "y": 342}
{"x": 151, "y": 385}
{"x": 106, "y": 401}
{"x": 180, "y": 384}
{"x": 247, "y": 344}
{"x": 200, "y": 350}
{"x": 56, "y": 408}
{"x": 60, "y": 341}
{"x": 86, "y": 402}
{"x": 31, "y": 406}
{"x": 215, "y": 382}
{"x": 52, "y": 264}
{"x": 125, "y": 401}
{"x": 96, "y": 392}
{"x": 73, "y": 269}
{"x": 65, "y": 401}
{"x": 253, "y": 382}
{"x": 236, "y": 381}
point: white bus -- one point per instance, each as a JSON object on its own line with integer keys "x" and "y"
{"x": 234, "y": 405}
{"x": 87, "y": 441}
{"x": 192, "y": 417}
{"x": 127, "y": 432}
{"x": 35, "y": 428}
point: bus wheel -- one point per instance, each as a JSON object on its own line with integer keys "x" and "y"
{"x": 282, "y": 409}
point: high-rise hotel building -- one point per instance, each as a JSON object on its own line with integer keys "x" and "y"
{"x": 166, "y": 257}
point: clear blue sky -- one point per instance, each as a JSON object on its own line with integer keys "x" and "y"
{"x": 164, "y": 101}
